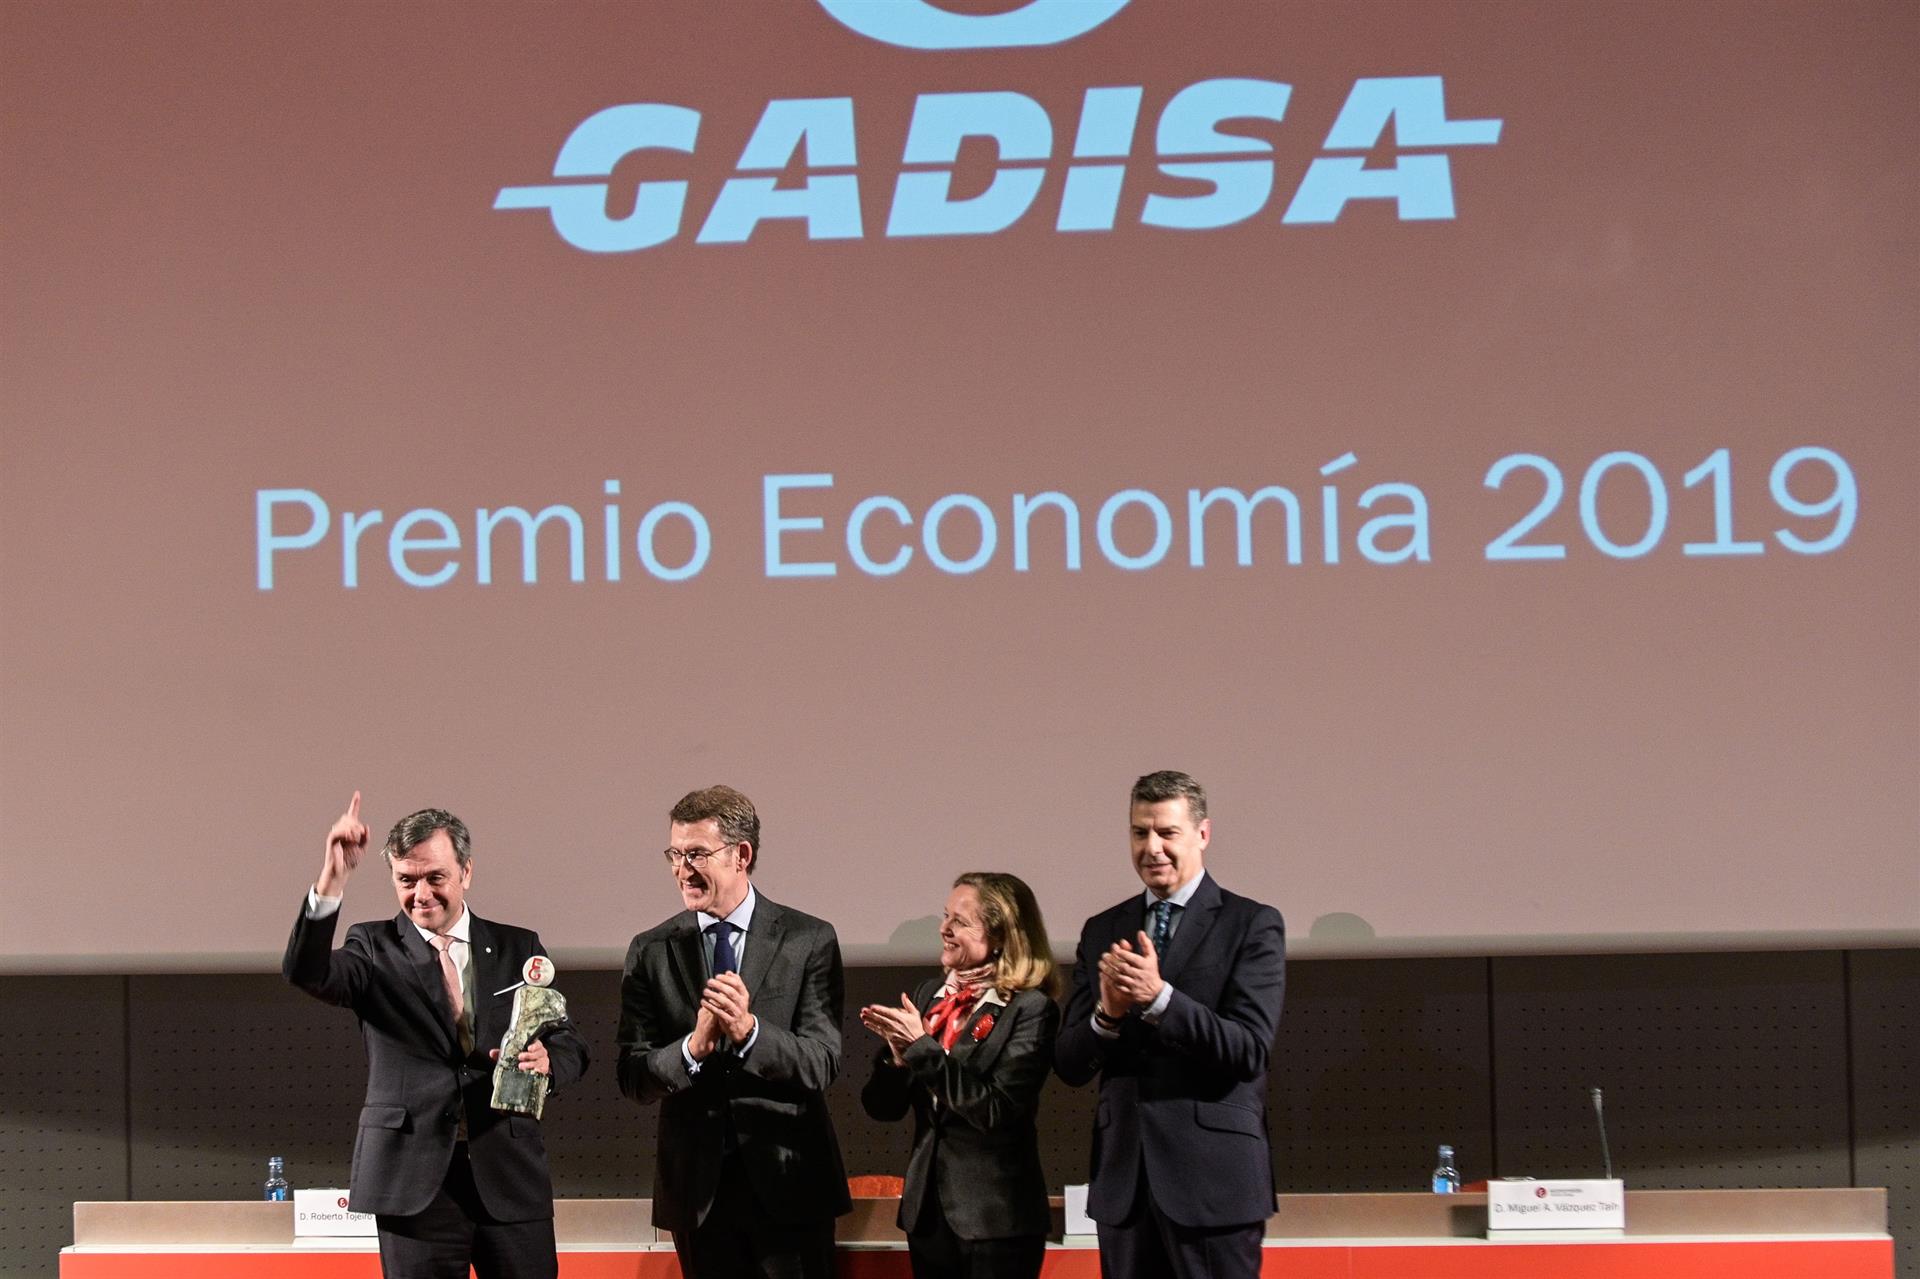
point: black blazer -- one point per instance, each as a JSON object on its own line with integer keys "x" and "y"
{"x": 418, "y": 1080}
{"x": 769, "y": 1108}
{"x": 974, "y": 1141}
{"x": 1186, "y": 1098}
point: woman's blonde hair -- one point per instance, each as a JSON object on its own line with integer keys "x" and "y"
{"x": 1017, "y": 935}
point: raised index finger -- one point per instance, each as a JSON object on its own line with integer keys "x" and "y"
{"x": 353, "y": 808}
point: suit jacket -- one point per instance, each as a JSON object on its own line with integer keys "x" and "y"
{"x": 767, "y": 1109}
{"x": 419, "y": 1082}
{"x": 975, "y": 1148}
{"x": 1185, "y": 1099}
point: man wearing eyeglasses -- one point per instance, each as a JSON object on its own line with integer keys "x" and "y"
{"x": 730, "y": 1019}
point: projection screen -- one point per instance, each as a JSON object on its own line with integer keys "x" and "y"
{"x": 1475, "y": 439}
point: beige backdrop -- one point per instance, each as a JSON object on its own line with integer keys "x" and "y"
{"x": 253, "y": 247}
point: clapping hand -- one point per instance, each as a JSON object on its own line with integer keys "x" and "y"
{"x": 726, "y": 997}
{"x": 1130, "y": 978}
{"x": 897, "y": 1026}
{"x": 705, "y": 1038}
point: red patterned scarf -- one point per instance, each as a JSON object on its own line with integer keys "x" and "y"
{"x": 950, "y": 1012}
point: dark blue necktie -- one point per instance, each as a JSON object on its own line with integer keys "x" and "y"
{"x": 724, "y": 960}
{"x": 1162, "y": 925}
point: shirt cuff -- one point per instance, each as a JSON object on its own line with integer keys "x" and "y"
{"x": 741, "y": 1050}
{"x": 319, "y": 907}
{"x": 1100, "y": 1030}
{"x": 686, "y": 1055}
{"x": 1154, "y": 1011}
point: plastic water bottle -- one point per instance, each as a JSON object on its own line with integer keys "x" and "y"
{"x": 277, "y": 1179}
{"x": 1446, "y": 1177}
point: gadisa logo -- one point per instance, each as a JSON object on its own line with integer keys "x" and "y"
{"x": 1208, "y": 138}
{"x": 921, "y": 24}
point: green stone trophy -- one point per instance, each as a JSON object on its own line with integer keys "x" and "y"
{"x": 535, "y": 1009}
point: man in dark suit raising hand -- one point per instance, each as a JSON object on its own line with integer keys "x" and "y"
{"x": 451, "y": 1181}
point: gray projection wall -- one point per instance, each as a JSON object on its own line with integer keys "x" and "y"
{"x": 1764, "y": 1069}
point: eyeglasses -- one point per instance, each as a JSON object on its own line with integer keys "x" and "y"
{"x": 695, "y": 858}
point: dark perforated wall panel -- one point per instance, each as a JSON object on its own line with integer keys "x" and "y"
{"x": 1885, "y": 986}
{"x": 301, "y": 1061}
{"x": 599, "y": 1144}
{"x": 63, "y": 1115}
{"x": 1718, "y": 1070}
{"x": 229, "y": 1069}
{"x": 1377, "y": 1063}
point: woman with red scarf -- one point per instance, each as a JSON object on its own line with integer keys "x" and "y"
{"x": 970, "y": 1068}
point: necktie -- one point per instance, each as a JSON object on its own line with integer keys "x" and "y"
{"x": 457, "y": 1002}
{"x": 450, "y": 976}
{"x": 724, "y": 958}
{"x": 1162, "y": 925}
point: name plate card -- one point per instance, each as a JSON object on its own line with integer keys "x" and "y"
{"x": 1556, "y": 1205}
{"x": 1077, "y": 1221}
{"x": 324, "y": 1212}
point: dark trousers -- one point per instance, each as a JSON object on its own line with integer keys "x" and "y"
{"x": 454, "y": 1232}
{"x": 736, "y": 1241}
{"x": 938, "y": 1253}
{"x": 1149, "y": 1246}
